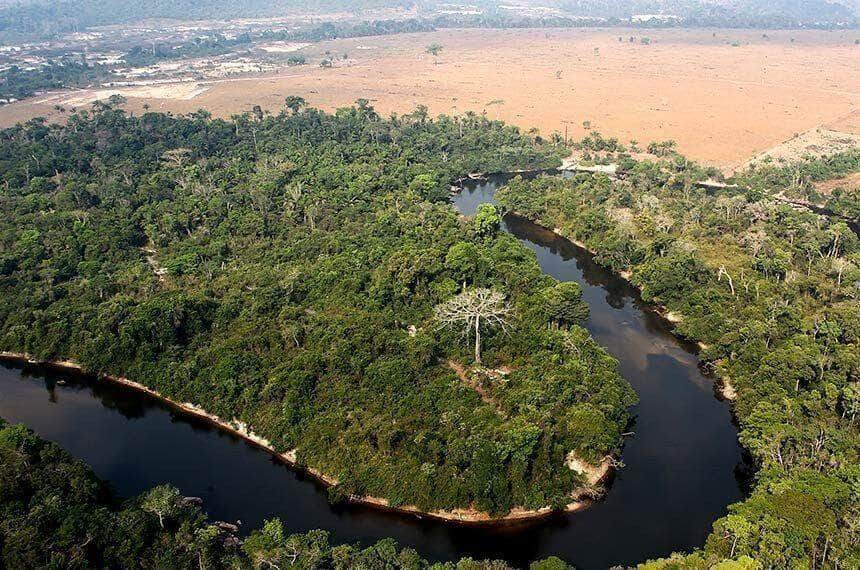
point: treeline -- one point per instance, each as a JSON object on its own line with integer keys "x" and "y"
{"x": 771, "y": 293}
{"x": 50, "y": 18}
{"x": 798, "y": 180}
{"x": 284, "y": 271}
{"x": 17, "y": 83}
{"x": 332, "y": 31}
{"x": 218, "y": 44}
{"x": 768, "y": 14}
{"x": 56, "y": 513}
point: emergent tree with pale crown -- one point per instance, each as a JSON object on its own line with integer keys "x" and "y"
{"x": 472, "y": 310}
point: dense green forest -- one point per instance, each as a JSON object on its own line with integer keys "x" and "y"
{"x": 292, "y": 272}
{"x": 301, "y": 273}
{"x": 771, "y": 292}
{"x": 797, "y": 181}
{"x": 55, "y": 513}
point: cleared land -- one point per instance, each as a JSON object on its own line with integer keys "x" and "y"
{"x": 850, "y": 182}
{"x": 724, "y": 96}
{"x": 820, "y": 141}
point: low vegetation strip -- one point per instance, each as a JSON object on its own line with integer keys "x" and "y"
{"x": 306, "y": 256}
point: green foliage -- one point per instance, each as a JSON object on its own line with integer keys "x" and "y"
{"x": 551, "y": 563}
{"x": 283, "y": 271}
{"x": 162, "y": 501}
{"x": 797, "y": 179}
{"x": 772, "y": 293}
{"x": 434, "y": 49}
{"x": 672, "y": 276}
{"x": 700, "y": 561}
{"x": 55, "y": 513}
{"x": 200, "y": 46}
{"x": 487, "y": 220}
{"x": 17, "y": 83}
{"x": 563, "y": 304}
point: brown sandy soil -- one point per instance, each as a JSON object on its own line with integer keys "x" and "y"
{"x": 721, "y": 103}
{"x": 84, "y": 97}
{"x": 815, "y": 142}
{"x": 850, "y": 182}
{"x": 848, "y": 123}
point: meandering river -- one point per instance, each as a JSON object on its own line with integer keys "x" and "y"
{"x": 683, "y": 463}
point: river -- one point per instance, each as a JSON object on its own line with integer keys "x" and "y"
{"x": 683, "y": 463}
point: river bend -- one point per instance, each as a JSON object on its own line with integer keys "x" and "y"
{"x": 683, "y": 463}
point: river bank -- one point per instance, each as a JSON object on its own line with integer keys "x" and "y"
{"x": 595, "y": 475}
{"x": 723, "y": 384}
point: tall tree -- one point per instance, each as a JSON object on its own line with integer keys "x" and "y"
{"x": 162, "y": 501}
{"x": 472, "y": 310}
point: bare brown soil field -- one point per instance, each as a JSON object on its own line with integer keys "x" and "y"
{"x": 819, "y": 141}
{"x": 722, "y": 103}
{"x": 850, "y": 182}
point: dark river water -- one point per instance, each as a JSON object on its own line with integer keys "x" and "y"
{"x": 683, "y": 463}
